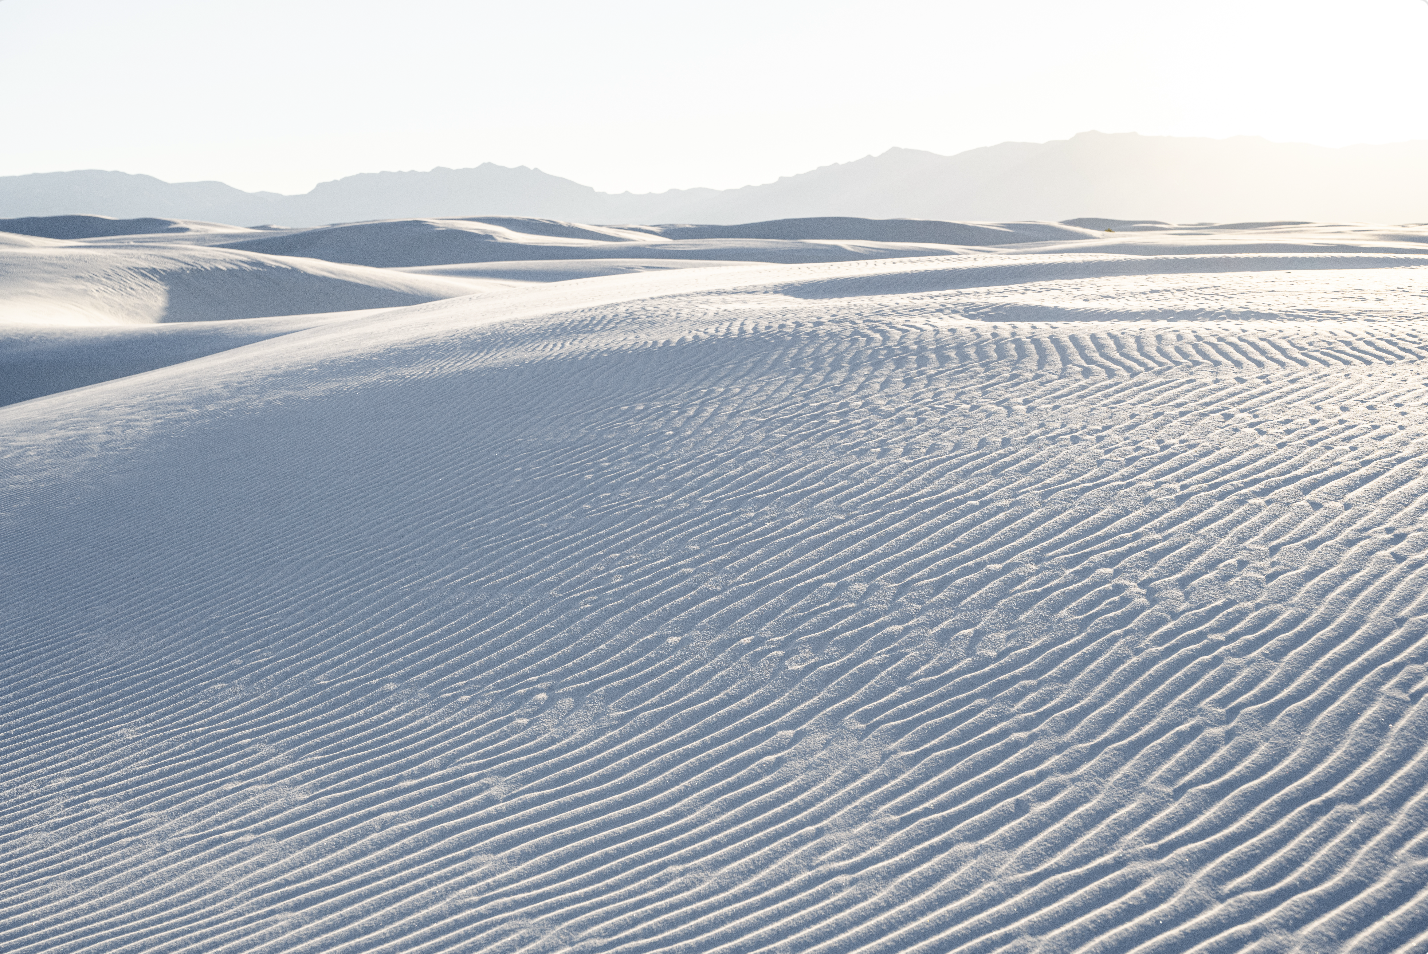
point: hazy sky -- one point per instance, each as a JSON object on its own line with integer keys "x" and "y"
{"x": 651, "y": 94}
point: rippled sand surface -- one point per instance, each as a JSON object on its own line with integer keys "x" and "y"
{"x": 1025, "y": 599}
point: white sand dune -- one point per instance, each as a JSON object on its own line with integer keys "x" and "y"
{"x": 899, "y": 231}
{"x": 506, "y": 241}
{"x": 563, "y": 269}
{"x": 73, "y": 315}
{"x": 426, "y": 242}
{"x": 77, "y": 227}
{"x": 9, "y": 240}
{"x": 1143, "y": 238}
{"x": 417, "y": 242}
{"x": 1008, "y": 601}
{"x": 54, "y": 285}
{"x": 39, "y": 360}
{"x": 214, "y": 235}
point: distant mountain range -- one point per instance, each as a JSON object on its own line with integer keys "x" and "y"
{"x": 1122, "y": 175}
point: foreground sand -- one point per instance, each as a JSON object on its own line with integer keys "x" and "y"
{"x": 1019, "y": 599}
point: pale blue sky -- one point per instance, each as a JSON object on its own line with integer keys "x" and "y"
{"x": 640, "y": 95}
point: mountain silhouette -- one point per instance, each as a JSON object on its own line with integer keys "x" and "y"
{"x": 1114, "y": 176}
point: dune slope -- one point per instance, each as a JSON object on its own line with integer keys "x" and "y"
{"x": 870, "y": 606}
{"x": 72, "y": 227}
{"x": 429, "y": 242}
{"x": 52, "y": 285}
{"x": 37, "y": 360}
{"x": 73, "y": 315}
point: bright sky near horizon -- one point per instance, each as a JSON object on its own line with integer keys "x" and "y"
{"x": 645, "y": 95}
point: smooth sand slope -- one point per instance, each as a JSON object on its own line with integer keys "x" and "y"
{"x": 53, "y": 285}
{"x": 73, "y": 314}
{"x": 992, "y": 602}
{"x": 35, "y": 361}
{"x": 78, "y": 227}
